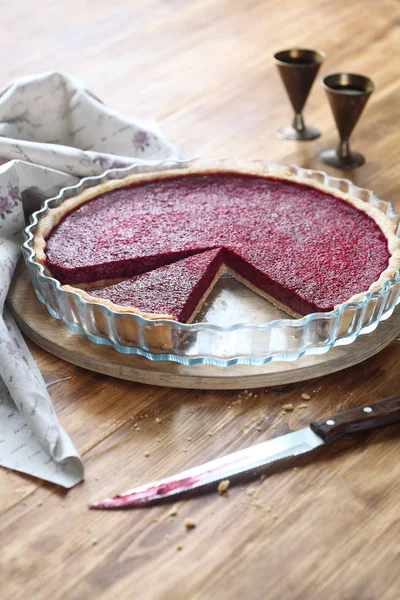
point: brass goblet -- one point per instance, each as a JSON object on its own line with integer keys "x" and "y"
{"x": 348, "y": 93}
{"x": 298, "y": 68}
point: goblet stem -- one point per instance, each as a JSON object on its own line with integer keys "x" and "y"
{"x": 341, "y": 157}
{"x": 298, "y": 123}
{"x": 344, "y": 149}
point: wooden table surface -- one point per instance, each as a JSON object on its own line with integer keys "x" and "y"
{"x": 326, "y": 528}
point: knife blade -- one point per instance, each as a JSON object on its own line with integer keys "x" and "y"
{"x": 320, "y": 432}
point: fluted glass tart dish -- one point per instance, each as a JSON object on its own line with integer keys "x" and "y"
{"x": 126, "y": 256}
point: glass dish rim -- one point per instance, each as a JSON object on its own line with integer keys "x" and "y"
{"x": 167, "y": 164}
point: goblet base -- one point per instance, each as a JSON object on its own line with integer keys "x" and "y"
{"x": 332, "y": 158}
{"x": 288, "y": 132}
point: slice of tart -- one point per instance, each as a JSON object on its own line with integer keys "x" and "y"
{"x": 174, "y": 291}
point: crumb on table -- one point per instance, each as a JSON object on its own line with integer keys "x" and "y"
{"x": 223, "y": 486}
{"x": 287, "y": 407}
{"x": 190, "y": 523}
{"x": 306, "y": 396}
{"x": 245, "y": 394}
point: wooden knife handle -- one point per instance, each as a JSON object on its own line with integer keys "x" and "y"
{"x": 384, "y": 412}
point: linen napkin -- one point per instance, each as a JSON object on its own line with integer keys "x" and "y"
{"x": 52, "y": 132}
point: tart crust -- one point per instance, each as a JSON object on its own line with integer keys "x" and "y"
{"x": 55, "y": 215}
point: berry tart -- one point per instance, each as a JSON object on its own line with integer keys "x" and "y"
{"x": 154, "y": 244}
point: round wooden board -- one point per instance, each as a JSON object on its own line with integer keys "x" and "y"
{"x": 52, "y": 335}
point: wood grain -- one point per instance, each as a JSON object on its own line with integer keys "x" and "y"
{"x": 53, "y": 336}
{"x": 325, "y": 527}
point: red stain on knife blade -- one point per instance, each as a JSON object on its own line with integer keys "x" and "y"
{"x": 181, "y": 482}
{"x": 142, "y": 496}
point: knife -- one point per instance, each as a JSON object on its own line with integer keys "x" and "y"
{"x": 320, "y": 432}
